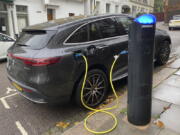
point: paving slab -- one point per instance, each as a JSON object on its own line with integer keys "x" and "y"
{"x": 175, "y": 64}
{"x": 168, "y": 132}
{"x": 174, "y": 80}
{"x": 162, "y": 74}
{"x": 171, "y": 118}
{"x": 177, "y": 73}
{"x": 158, "y": 107}
{"x": 167, "y": 93}
{"x": 124, "y": 128}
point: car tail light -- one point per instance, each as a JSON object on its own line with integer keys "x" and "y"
{"x": 38, "y": 61}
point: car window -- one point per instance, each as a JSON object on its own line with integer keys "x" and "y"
{"x": 79, "y": 36}
{"x": 176, "y": 17}
{"x": 93, "y": 32}
{"x": 5, "y": 38}
{"x": 125, "y": 21}
{"x": 108, "y": 28}
{"x": 35, "y": 39}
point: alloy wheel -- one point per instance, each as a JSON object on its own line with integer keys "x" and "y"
{"x": 94, "y": 90}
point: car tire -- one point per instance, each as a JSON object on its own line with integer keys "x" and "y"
{"x": 96, "y": 89}
{"x": 164, "y": 53}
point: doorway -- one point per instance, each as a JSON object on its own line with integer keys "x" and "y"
{"x": 50, "y": 14}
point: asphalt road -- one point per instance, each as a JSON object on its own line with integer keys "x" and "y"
{"x": 19, "y": 116}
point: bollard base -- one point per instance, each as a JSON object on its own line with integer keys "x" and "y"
{"x": 125, "y": 119}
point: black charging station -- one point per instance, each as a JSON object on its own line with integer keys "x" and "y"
{"x": 140, "y": 69}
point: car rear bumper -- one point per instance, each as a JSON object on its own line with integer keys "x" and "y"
{"x": 174, "y": 25}
{"x": 35, "y": 96}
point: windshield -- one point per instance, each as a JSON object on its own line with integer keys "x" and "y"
{"x": 176, "y": 17}
{"x": 35, "y": 39}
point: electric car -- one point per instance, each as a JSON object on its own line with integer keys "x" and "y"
{"x": 174, "y": 22}
{"x": 43, "y": 67}
{"x": 5, "y": 43}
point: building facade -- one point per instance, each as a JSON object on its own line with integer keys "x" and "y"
{"x": 17, "y": 14}
{"x": 141, "y": 6}
{"x": 171, "y": 7}
{"x": 158, "y": 6}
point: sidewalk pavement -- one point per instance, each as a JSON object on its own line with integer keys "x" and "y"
{"x": 165, "y": 109}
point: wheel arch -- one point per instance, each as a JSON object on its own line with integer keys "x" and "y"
{"x": 160, "y": 43}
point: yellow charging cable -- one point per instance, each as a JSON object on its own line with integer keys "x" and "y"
{"x": 105, "y": 110}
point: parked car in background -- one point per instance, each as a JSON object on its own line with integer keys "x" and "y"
{"x": 5, "y": 42}
{"x": 42, "y": 65}
{"x": 174, "y": 22}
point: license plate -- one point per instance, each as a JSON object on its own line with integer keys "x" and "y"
{"x": 17, "y": 87}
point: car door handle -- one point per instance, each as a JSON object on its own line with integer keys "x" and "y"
{"x": 102, "y": 46}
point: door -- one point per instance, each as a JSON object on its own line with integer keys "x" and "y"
{"x": 22, "y": 22}
{"x": 50, "y": 14}
{"x": 115, "y": 38}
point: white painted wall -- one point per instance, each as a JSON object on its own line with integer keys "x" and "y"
{"x": 36, "y": 10}
{"x": 113, "y": 3}
{"x": 68, "y": 6}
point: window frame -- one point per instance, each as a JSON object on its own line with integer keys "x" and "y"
{"x": 128, "y": 19}
{"x": 103, "y": 39}
{"x": 87, "y": 28}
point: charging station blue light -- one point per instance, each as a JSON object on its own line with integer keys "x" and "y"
{"x": 146, "y": 19}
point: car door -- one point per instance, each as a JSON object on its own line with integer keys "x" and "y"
{"x": 113, "y": 42}
{"x": 87, "y": 40}
{"x": 123, "y": 23}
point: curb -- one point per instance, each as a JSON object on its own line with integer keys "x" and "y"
{"x": 100, "y": 119}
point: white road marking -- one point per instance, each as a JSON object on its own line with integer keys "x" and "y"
{"x": 4, "y": 101}
{"x": 21, "y": 128}
{"x": 10, "y": 90}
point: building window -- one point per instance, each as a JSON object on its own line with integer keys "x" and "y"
{"x": 145, "y": 1}
{"x": 3, "y": 6}
{"x": 108, "y": 6}
{"x": 126, "y": 9}
{"x": 142, "y": 10}
{"x": 134, "y": 10}
{"x": 3, "y": 18}
{"x": 117, "y": 9}
{"x": 21, "y": 9}
{"x": 50, "y": 14}
{"x": 22, "y": 16}
{"x": 71, "y": 14}
{"x": 97, "y": 7}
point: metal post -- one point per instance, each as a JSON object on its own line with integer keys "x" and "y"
{"x": 140, "y": 69}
